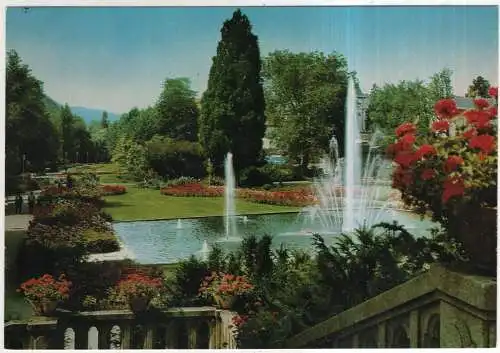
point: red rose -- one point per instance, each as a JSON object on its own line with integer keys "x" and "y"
{"x": 481, "y": 103}
{"x": 425, "y": 150}
{"x": 452, "y": 163}
{"x": 446, "y": 108}
{"x": 453, "y": 186}
{"x": 493, "y": 92}
{"x": 440, "y": 125}
{"x": 405, "y": 159}
{"x": 427, "y": 174}
{"x": 469, "y": 133}
{"x": 486, "y": 143}
{"x": 405, "y": 128}
{"x": 479, "y": 118}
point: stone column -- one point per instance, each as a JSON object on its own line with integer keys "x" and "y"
{"x": 414, "y": 329}
{"x": 192, "y": 328}
{"x": 212, "y": 342}
{"x": 148, "y": 341}
{"x": 355, "y": 340}
{"x": 382, "y": 335}
{"x": 126, "y": 329}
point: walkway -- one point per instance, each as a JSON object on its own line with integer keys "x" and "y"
{"x": 17, "y": 222}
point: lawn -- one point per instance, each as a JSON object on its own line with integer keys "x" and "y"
{"x": 146, "y": 204}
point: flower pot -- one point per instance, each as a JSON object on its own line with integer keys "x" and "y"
{"x": 44, "y": 307}
{"x": 139, "y": 304}
{"x": 476, "y": 228}
{"x": 224, "y": 301}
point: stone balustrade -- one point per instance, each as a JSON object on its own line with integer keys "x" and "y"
{"x": 440, "y": 308}
{"x": 174, "y": 328}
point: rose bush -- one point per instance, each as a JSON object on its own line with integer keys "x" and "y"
{"x": 451, "y": 170}
{"x": 224, "y": 288}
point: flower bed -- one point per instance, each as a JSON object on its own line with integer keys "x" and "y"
{"x": 108, "y": 190}
{"x": 223, "y": 288}
{"x": 45, "y": 293}
{"x": 194, "y": 189}
{"x": 298, "y": 198}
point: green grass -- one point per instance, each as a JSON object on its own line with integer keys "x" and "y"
{"x": 144, "y": 204}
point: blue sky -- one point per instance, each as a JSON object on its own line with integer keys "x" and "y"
{"x": 116, "y": 58}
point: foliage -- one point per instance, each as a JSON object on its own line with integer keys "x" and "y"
{"x": 31, "y": 138}
{"x": 132, "y": 157}
{"x": 453, "y": 164}
{"x": 138, "y": 285}
{"x": 479, "y": 88}
{"x": 46, "y": 288}
{"x": 100, "y": 242}
{"x": 224, "y": 284}
{"x": 393, "y": 104}
{"x": 108, "y": 190}
{"x": 182, "y": 181}
{"x": 195, "y": 189}
{"x": 299, "y": 198}
{"x": 187, "y": 280}
{"x": 440, "y": 86}
{"x": 253, "y": 176}
{"x": 305, "y": 97}
{"x": 232, "y": 108}
{"x": 175, "y": 158}
{"x": 177, "y": 112}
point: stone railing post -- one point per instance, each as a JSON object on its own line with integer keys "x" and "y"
{"x": 126, "y": 340}
{"x": 148, "y": 341}
{"x": 192, "y": 333}
{"x": 382, "y": 334}
{"x": 212, "y": 325}
{"x": 414, "y": 329}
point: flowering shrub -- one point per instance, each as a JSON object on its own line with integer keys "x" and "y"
{"x": 445, "y": 168}
{"x": 220, "y": 284}
{"x": 139, "y": 286}
{"x": 297, "y": 198}
{"x": 451, "y": 171}
{"x": 108, "y": 190}
{"x": 194, "y": 189}
{"x": 46, "y": 288}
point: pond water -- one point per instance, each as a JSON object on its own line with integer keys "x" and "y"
{"x": 169, "y": 241}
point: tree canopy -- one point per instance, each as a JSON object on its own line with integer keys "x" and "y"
{"x": 232, "y": 108}
{"x": 305, "y": 96}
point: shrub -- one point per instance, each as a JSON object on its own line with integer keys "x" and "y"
{"x": 139, "y": 285}
{"x": 197, "y": 189}
{"x": 108, "y": 190}
{"x": 37, "y": 290}
{"x": 253, "y": 176}
{"x": 187, "y": 280}
{"x": 182, "y": 181}
{"x": 175, "y": 158}
{"x": 100, "y": 242}
{"x": 278, "y": 173}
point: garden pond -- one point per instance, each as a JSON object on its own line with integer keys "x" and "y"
{"x": 169, "y": 241}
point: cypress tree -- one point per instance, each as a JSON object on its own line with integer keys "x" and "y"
{"x": 232, "y": 108}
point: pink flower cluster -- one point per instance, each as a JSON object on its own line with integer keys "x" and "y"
{"x": 194, "y": 189}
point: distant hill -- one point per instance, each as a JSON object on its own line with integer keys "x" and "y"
{"x": 87, "y": 114}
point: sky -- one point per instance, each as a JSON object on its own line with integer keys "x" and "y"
{"x": 116, "y": 58}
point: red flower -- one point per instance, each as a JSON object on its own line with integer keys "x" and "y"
{"x": 405, "y": 159}
{"x": 440, "y": 125}
{"x": 402, "y": 178}
{"x": 452, "y": 163}
{"x": 493, "y": 92}
{"x": 478, "y": 118}
{"x": 481, "y": 103}
{"x": 446, "y": 108}
{"x": 493, "y": 111}
{"x": 427, "y": 174}
{"x": 469, "y": 133}
{"x": 405, "y": 128}
{"x": 425, "y": 150}
{"x": 453, "y": 186}
{"x": 486, "y": 143}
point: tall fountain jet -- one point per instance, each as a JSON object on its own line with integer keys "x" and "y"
{"x": 352, "y": 160}
{"x": 229, "y": 195}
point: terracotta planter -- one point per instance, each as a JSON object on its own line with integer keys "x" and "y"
{"x": 224, "y": 302}
{"x": 44, "y": 307}
{"x": 140, "y": 304}
{"x": 476, "y": 228}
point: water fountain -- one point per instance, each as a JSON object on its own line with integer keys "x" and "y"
{"x": 349, "y": 191}
{"x": 229, "y": 195}
{"x": 179, "y": 224}
{"x": 205, "y": 251}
